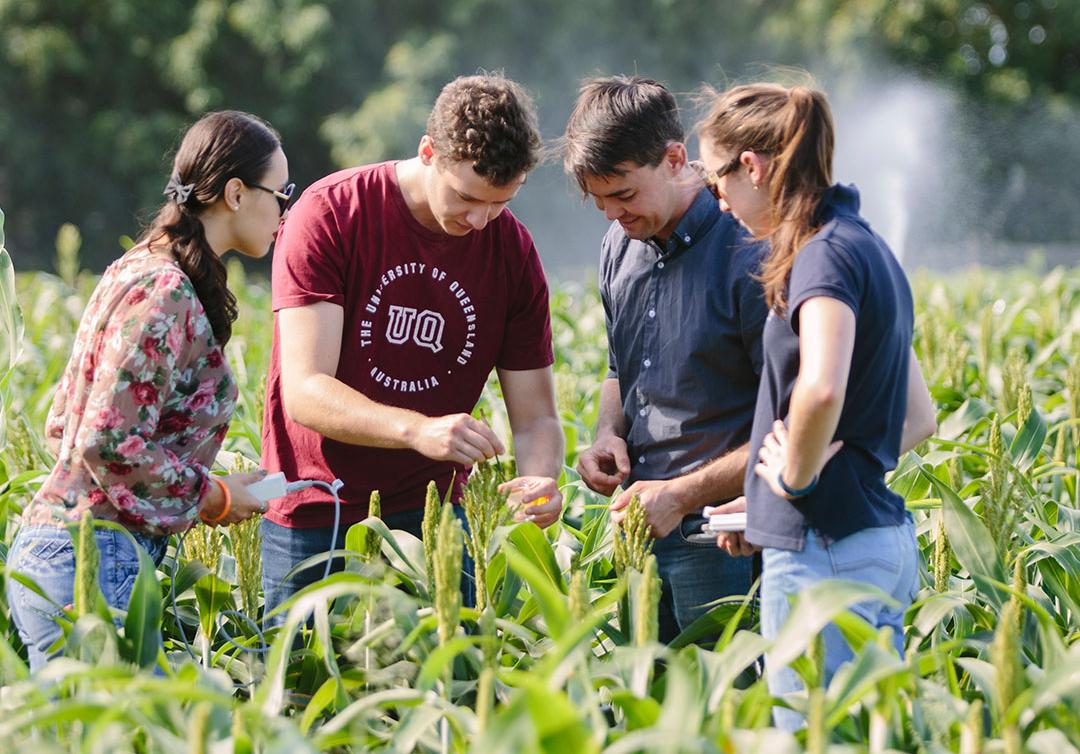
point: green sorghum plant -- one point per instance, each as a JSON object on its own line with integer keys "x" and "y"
{"x": 372, "y": 544}
{"x": 67, "y": 262}
{"x": 87, "y": 560}
{"x": 1000, "y": 502}
{"x": 636, "y": 540}
{"x": 204, "y": 543}
{"x": 489, "y": 630}
{"x": 484, "y": 509}
{"x": 646, "y": 617}
{"x": 247, "y": 552}
{"x": 198, "y": 728}
{"x": 817, "y": 734}
{"x": 1005, "y": 653}
{"x": 972, "y": 734}
{"x": 956, "y": 354}
{"x": 448, "y": 548}
{"x": 1013, "y": 375}
{"x": 987, "y": 339}
{"x": 1072, "y": 386}
{"x": 429, "y": 529}
{"x": 579, "y": 596}
{"x": 1023, "y": 404}
{"x": 815, "y": 652}
{"x": 942, "y": 558}
{"x": 928, "y": 329}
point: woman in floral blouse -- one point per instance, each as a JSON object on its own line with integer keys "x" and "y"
{"x": 145, "y": 401}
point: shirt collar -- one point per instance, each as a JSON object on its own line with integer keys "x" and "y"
{"x": 695, "y": 223}
{"x": 838, "y": 199}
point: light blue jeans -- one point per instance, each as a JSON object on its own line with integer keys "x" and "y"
{"x": 886, "y": 557}
{"x": 46, "y": 555}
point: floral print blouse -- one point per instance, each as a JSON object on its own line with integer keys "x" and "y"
{"x": 143, "y": 405}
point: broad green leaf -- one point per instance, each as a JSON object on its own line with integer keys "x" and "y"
{"x": 640, "y": 713}
{"x": 1028, "y": 442}
{"x": 552, "y": 603}
{"x": 142, "y": 627}
{"x": 530, "y": 541}
{"x": 971, "y": 542}
{"x": 213, "y": 594}
{"x": 961, "y": 421}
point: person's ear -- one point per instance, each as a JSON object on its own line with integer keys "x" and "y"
{"x": 234, "y": 191}
{"x": 756, "y": 167}
{"x": 675, "y": 156}
{"x": 426, "y": 150}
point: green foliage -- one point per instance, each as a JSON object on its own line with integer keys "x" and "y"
{"x": 378, "y": 658}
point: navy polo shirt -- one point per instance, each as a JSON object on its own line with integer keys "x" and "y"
{"x": 684, "y": 338}
{"x": 847, "y": 261}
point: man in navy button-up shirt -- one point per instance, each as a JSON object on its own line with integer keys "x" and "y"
{"x": 684, "y": 319}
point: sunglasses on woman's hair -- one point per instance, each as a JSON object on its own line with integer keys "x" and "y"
{"x": 283, "y": 197}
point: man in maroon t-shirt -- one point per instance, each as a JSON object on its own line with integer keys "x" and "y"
{"x": 396, "y": 288}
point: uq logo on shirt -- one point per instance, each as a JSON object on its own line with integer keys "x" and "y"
{"x": 418, "y": 326}
{"x": 425, "y": 328}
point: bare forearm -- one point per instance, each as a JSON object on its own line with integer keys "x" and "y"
{"x": 720, "y": 479}
{"x": 539, "y": 448}
{"x": 330, "y": 407}
{"x": 610, "y": 420}
{"x": 813, "y": 416}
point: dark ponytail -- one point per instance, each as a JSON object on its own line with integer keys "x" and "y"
{"x": 220, "y": 146}
{"x": 794, "y": 127}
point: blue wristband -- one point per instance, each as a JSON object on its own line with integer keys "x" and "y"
{"x": 791, "y": 491}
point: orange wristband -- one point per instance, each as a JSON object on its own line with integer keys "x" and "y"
{"x": 225, "y": 509}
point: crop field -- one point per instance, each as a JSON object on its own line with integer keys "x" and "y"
{"x": 560, "y": 653}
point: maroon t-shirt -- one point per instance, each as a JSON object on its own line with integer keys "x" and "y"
{"x": 427, "y": 317}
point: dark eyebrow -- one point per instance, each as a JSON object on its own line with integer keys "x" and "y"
{"x": 617, "y": 194}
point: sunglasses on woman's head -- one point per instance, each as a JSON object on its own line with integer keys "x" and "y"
{"x": 283, "y": 197}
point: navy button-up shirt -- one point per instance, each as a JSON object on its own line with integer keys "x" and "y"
{"x": 684, "y": 327}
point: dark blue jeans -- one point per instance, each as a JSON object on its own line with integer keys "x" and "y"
{"x": 283, "y": 548}
{"x": 46, "y": 555}
{"x": 694, "y": 574}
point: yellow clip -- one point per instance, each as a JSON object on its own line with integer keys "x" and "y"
{"x": 537, "y": 502}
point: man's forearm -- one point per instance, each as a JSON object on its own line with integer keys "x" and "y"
{"x": 720, "y": 479}
{"x": 539, "y": 448}
{"x": 610, "y": 420}
{"x": 333, "y": 409}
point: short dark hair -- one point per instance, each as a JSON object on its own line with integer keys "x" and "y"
{"x": 619, "y": 119}
{"x": 487, "y": 120}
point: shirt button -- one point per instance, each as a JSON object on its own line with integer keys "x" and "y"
{"x": 641, "y": 459}
{"x": 660, "y": 265}
{"x": 642, "y": 411}
{"x": 686, "y": 239}
{"x": 652, "y": 313}
{"x": 648, "y": 363}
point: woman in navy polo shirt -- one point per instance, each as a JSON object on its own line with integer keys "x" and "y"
{"x": 841, "y": 394}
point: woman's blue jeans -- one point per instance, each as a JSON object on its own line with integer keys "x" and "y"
{"x": 46, "y": 555}
{"x": 886, "y": 557}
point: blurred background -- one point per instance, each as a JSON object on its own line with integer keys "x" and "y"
{"x": 958, "y": 120}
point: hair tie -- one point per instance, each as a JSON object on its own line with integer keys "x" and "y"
{"x": 178, "y": 192}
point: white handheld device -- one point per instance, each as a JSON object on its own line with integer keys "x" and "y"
{"x": 719, "y": 522}
{"x": 270, "y": 487}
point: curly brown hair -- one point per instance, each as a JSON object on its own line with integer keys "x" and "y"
{"x": 487, "y": 120}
